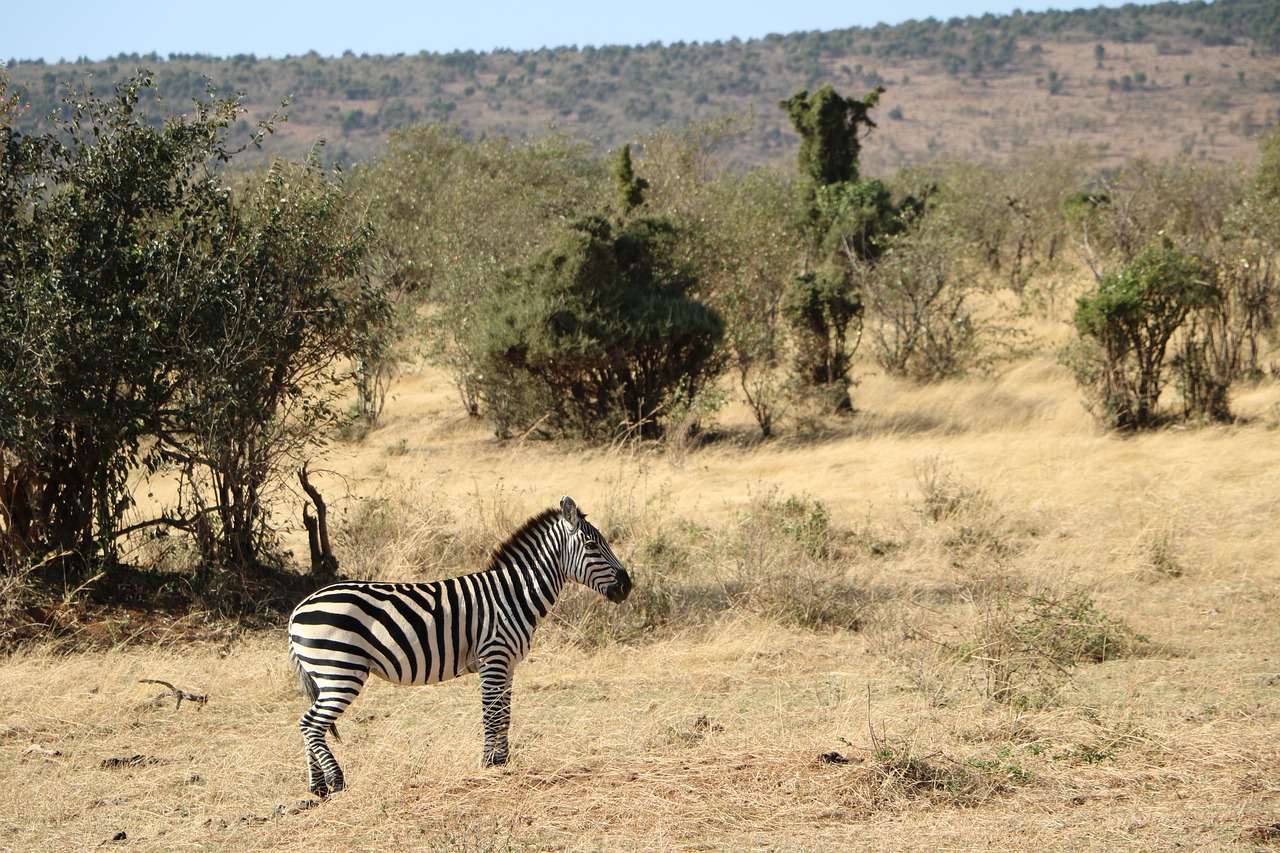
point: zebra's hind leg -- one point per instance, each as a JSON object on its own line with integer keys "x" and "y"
{"x": 315, "y": 774}
{"x": 324, "y": 775}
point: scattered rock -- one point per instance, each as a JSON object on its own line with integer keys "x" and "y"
{"x": 301, "y": 806}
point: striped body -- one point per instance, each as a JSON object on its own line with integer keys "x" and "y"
{"x": 414, "y": 633}
{"x": 423, "y": 633}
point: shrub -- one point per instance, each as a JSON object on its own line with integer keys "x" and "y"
{"x": 921, "y": 324}
{"x": 944, "y": 494}
{"x": 1127, "y": 324}
{"x": 1026, "y": 646}
{"x": 596, "y": 336}
{"x": 780, "y": 565}
{"x": 785, "y": 568}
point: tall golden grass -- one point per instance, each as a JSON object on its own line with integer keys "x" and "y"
{"x": 964, "y": 619}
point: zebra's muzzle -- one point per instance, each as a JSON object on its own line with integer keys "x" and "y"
{"x": 619, "y": 591}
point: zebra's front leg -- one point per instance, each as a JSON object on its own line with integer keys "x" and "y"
{"x": 495, "y": 703}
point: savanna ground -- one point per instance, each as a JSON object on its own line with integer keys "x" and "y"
{"x": 962, "y": 619}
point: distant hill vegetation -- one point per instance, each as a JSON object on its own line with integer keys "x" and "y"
{"x": 1198, "y": 78}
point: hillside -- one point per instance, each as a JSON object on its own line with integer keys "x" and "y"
{"x": 1156, "y": 81}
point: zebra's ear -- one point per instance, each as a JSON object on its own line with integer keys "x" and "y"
{"x": 569, "y": 511}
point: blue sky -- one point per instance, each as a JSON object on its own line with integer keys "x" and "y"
{"x": 69, "y": 29}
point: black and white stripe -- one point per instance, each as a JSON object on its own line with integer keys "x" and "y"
{"x": 422, "y": 633}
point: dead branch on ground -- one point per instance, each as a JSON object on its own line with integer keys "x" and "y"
{"x": 178, "y": 694}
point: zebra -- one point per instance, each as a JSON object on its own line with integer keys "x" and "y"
{"x": 423, "y": 633}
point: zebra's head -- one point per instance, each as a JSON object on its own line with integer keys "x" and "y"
{"x": 588, "y": 559}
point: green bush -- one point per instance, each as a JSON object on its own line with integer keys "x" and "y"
{"x": 1025, "y": 647}
{"x": 596, "y": 336}
{"x": 1127, "y": 324}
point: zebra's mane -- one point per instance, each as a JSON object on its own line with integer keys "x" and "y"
{"x": 526, "y": 531}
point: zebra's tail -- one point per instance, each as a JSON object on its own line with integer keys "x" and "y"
{"x": 310, "y": 688}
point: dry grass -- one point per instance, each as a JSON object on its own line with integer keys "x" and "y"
{"x": 983, "y": 534}
{"x": 713, "y": 742}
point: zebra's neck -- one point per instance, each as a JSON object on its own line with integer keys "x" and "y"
{"x": 533, "y": 560}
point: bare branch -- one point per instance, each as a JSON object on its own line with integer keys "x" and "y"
{"x": 178, "y": 694}
{"x": 322, "y": 559}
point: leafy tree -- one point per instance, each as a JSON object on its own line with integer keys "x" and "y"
{"x": 821, "y": 306}
{"x": 264, "y": 363}
{"x": 822, "y": 302}
{"x": 748, "y": 274}
{"x": 1209, "y": 212}
{"x": 1129, "y": 321}
{"x": 1012, "y": 216}
{"x": 149, "y": 317}
{"x": 595, "y": 336}
{"x": 922, "y": 325}
{"x": 1267, "y": 180}
{"x": 452, "y": 214}
{"x": 105, "y": 223}
{"x": 1116, "y": 221}
{"x": 846, "y": 221}
{"x": 830, "y": 126}
{"x": 1249, "y": 275}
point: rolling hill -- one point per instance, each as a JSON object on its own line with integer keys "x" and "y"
{"x": 1199, "y": 79}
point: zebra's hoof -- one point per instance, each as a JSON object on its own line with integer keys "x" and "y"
{"x": 321, "y": 790}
